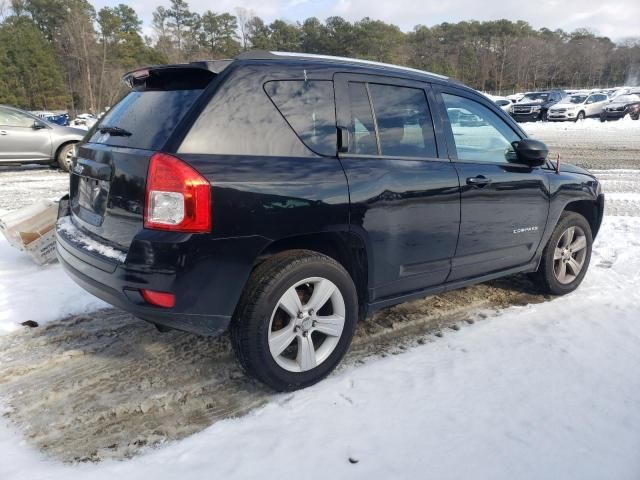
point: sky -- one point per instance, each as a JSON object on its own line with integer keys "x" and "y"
{"x": 616, "y": 19}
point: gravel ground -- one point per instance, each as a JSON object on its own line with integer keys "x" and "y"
{"x": 107, "y": 385}
{"x": 591, "y": 144}
{"x": 24, "y": 185}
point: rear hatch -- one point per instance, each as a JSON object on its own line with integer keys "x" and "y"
{"x": 108, "y": 179}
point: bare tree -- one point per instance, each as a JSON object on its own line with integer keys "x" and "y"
{"x": 244, "y": 18}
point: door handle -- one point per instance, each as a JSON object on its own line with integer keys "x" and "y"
{"x": 344, "y": 140}
{"x": 479, "y": 181}
{"x": 3, "y": 132}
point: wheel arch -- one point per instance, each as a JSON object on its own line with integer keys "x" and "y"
{"x": 346, "y": 248}
{"x": 592, "y": 210}
{"x": 61, "y": 146}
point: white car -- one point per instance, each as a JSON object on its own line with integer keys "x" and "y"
{"x": 578, "y": 107}
{"x": 84, "y": 121}
{"x": 516, "y": 97}
{"x": 503, "y": 102}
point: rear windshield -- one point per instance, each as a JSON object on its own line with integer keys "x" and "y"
{"x": 148, "y": 116}
{"x": 627, "y": 99}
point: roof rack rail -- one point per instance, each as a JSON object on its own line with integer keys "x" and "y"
{"x": 271, "y": 55}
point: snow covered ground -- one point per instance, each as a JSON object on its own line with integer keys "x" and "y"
{"x": 42, "y": 294}
{"x": 591, "y": 143}
{"x": 541, "y": 391}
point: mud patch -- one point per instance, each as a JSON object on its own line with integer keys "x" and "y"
{"x": 108, "y": 385}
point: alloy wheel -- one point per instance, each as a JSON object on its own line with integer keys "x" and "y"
{"x": 306, "y": 324}
{"x": 569, "y": 255}
{"x": 68, "y": 157}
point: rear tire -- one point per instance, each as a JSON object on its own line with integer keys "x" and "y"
{"x": 295, "y": 320}
{"x": 64, "y": 156}
{"x": 565, "y": 258}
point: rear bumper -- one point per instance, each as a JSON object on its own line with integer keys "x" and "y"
{"x": 207, "y": 285}
{"x": 114, "y": 289}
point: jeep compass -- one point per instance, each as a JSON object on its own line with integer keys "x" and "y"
{"x": 284, "y": 196}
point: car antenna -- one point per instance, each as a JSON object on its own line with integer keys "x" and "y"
{"x": 558, "y": 164}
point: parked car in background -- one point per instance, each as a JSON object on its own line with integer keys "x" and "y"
{"x": 609, "y": 92}
{"x": 504, "y": 103}
{"x": 516, "y": 97}
{"x": 621, "y": 106}
{"x": 620, "y": 91}
{"x": 286, "y": 196}
{"x": 578, "y": 107}
{"x": 27, "y": 138}
{"x": 535, "y": 105}
{"x": 84, "y": 121}
{"x": 57, "y": 118}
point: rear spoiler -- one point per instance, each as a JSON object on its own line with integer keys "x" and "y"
{"x": 185, "y": 75}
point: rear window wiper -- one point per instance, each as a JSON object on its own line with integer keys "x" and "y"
{"x": 115, "y": 131}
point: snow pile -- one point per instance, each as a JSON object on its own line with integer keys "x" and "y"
{"x": 541, "y": 391}
{"x": 590, "y": 124}
{"x": 66, "y": 225}
{"x": 42, "y": 294}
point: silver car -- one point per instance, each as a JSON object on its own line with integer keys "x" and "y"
{"x": 26, "y": 138}
{"x": 578, "y": 107}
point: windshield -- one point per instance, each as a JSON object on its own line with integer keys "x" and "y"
{"x": 578, "y": 98}
{"x": 627, "y": 99}
{"x": 535, "y": 97}
{"x": 148, "y": 118}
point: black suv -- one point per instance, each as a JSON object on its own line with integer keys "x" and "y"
{"x": 284, "y": 196}
{"x": 535, "y": 106}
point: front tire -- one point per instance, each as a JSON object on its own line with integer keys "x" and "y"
{"x": 295, "y": 320}
{"x": 565, "y": 258}
{"x": 65, "y": 157}
{"x": 580, "y": 116}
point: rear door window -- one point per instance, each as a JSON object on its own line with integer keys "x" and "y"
{"x": 147, "y": 118}
{"x": 363, "y": 131}
{"x": 309, "y": 108}
{"x": 405, "y": 128}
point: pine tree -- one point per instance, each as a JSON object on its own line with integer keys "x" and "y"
{"x": 31, "y": 77}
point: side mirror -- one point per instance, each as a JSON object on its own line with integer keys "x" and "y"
{"x": 38, "y": 125}
{"x": 531, "y": 152}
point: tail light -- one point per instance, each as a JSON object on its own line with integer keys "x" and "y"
{"x": 178, "y": 198}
